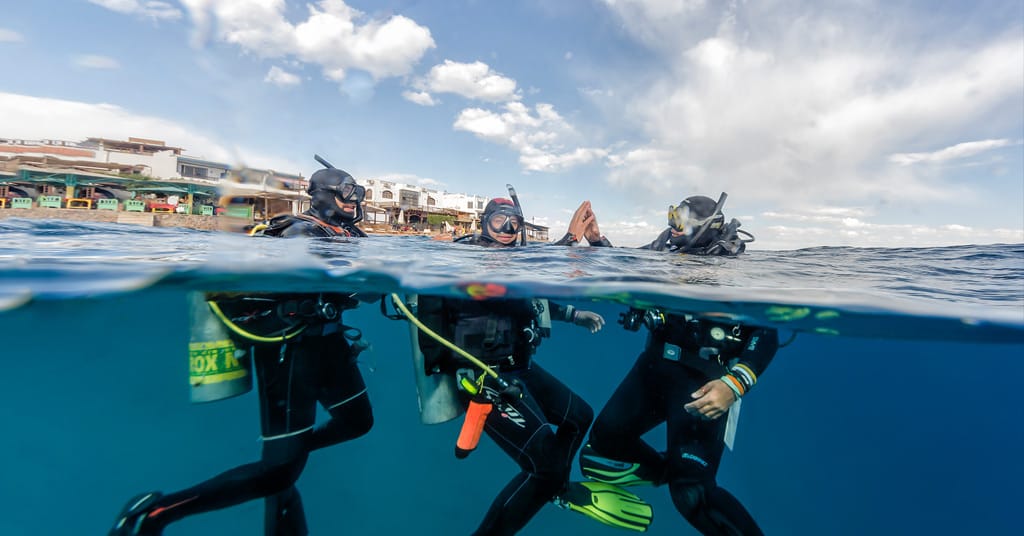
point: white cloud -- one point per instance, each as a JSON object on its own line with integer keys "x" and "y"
{"x": 27, "y": 117}
{"x": 10, "y": 36}
{"x": 152, "y": 9}
{"x": 419, "y": 97}
{"x": 281, "y": 78}
{"x": 540, "y": 135}
{"x": 334, "y": 36}
{"x": 812, "y": 104}
{"x": 960, "y": 150}
{"x": 471, "y": 80}
{"x": 96, "y": 62}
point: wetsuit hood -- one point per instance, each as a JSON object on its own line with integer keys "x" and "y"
{"x": 327, "y": 185}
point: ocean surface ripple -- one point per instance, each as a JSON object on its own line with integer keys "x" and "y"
{"x": 970, "y": 286}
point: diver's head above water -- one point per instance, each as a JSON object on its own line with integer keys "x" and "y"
{"x": 693, "y": 216}
{"x": 501, "y": 221}
{"x": 336, "y": 198}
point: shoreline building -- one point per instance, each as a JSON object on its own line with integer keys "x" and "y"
{"x": 138, "y": 175}
{"x": 396, "y": 206}
{"x": 149, "y": 176}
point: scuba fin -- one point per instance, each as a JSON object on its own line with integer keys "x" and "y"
{"x": 129, "y": 521}
{"x": 608, "y": 504}
{"x": 602, "y": 469}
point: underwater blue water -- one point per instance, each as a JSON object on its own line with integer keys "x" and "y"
{"x": 893, "y": 411}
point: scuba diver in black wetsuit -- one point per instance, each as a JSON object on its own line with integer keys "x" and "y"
{"x": 696, "y": 226}
{"x": 536, "y": 419}
{"x": 303, "y": 355}
{"x": 691, "y": 373}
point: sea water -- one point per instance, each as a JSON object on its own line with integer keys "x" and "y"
{"x": 894, "y": 410}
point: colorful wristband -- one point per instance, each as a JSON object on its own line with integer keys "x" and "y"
{"x": 744, "y": 374}
{"x": 734, "y": 384}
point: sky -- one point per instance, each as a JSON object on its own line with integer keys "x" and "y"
{"x": 856, "y": 123}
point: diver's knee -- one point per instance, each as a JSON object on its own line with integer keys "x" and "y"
{"x": 361, "y": 424}
{"x": 356, "y": 416}
{"x": 583, "y": 414}
{"x": 688, "y": 496}
{"x": 601, "y": 435}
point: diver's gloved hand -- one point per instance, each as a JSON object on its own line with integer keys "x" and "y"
{"x": 588, "y": 319}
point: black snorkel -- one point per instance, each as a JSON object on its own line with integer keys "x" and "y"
{"x": 700, "y": 232}
{"x": 515, "y": 201}
{"x": 323, "y": 162}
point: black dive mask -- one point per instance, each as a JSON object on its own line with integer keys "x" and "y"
{"x": 348, "y": 192}
{"x": 505, "y": 221}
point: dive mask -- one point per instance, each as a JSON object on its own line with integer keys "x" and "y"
{"x": 505, "y": 221}
{"x": 348, "y": 192}
{"x": 679, "y": 219}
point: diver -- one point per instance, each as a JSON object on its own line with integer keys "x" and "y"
{"x": 691, "y": 373}
{"x": 336, "y": 206}
{"x": 695, "y": 226}
{"x": 536, "y": 419}
{"x": 303, "y": 355}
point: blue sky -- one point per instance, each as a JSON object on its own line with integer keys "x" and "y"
{"x": 858, "y": 123}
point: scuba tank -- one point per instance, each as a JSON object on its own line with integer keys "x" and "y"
{"x": 217, "y": 368}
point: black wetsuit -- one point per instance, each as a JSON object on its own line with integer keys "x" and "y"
{"x": 543, "y": 429}
{"x": 656, "y": 389}
{"x": 316, "y": 366}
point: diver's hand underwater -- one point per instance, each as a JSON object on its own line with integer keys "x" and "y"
{"x": 590, "y": 320}
{"x": 711, "y": 401}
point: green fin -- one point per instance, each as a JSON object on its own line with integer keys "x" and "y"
{"x": 609, "y": 471}
{"x": 607, "y": 504}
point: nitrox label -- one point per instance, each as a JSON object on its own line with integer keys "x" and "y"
{"x": 213, "y": 362}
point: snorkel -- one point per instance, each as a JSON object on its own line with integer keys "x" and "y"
{"x": 519, "y": 207}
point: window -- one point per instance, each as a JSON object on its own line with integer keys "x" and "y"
{"x": 469, "y": 205}
{"x": 479, "y": 204}
{"x": 431, "y": 202}
{"x": 369, "y": 194}
{"x": 193, "y": 171}
{"x": 387, "y": 195}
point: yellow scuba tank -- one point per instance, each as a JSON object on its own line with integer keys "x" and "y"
{"x": 217, "y": 368}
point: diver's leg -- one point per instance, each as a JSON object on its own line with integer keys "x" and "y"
{"x": 695, "y": 447}
{"x": 521, "y": 430}
{"x": 342, "y": 392}
{"x": 636, "y": 406}
{"x": 284, "y": 515}
{"x": 285, "y": 433}
{"x": 563, "y": 408}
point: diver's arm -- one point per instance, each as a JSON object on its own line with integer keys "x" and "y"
{"x": 757, "y": 353}
{"x": 659, "y": 243}
{"x": 715, "y": 397}
{"x": 567, "y": 313}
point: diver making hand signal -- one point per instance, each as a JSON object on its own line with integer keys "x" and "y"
{"x": 695, "y": 226}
